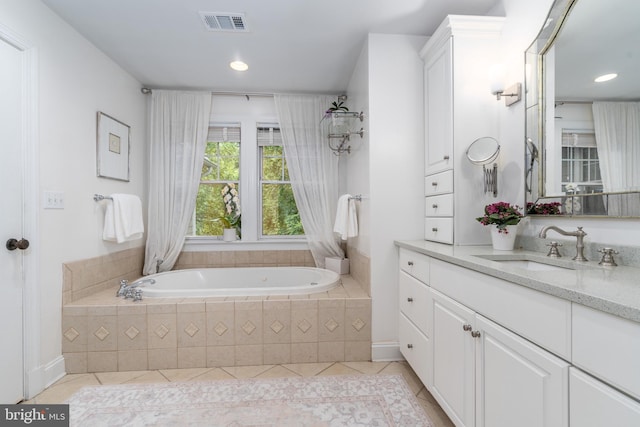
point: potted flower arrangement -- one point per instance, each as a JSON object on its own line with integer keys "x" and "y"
{"x": 552, "y": 208}
{"x": 231, "y": 220}
{"x": 505, "y": 217}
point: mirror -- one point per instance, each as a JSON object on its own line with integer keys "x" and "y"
{"x": 483, "y": 151}
{"x": 582, "y": 137}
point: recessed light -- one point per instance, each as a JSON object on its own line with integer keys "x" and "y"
{"x": 605, "y": 78}
{"x": 239, "y": 66}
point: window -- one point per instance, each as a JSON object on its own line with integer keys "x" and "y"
{"x": 221, "y": 166}
{"x": 580, "y": 163}
{"x": 266, "y": 197}
{"x": 279, "y": 213}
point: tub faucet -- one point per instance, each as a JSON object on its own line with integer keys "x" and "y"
{"x": 127, "y": 289}
{"x": 578, "y": 234}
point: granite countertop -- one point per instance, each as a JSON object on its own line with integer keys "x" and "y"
{"x": 614, "y": 290}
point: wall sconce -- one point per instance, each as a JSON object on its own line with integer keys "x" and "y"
{"x": 512, "y": 94}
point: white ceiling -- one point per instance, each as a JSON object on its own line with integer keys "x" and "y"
{"x": 303, "y": 46}
{"x": 599, "y": 37}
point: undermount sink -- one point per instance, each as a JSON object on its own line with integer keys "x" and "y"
{"x": 532, "y": 263}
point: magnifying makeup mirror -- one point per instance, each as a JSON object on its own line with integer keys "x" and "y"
{"x": 484, "y": 151}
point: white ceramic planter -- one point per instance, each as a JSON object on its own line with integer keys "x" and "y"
{"x": 229, "y": 234}
{"x": 504, "y": 241}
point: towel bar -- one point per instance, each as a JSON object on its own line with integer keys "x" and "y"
{"x": 357, "y": 197}
{"x": 98, "y": 197}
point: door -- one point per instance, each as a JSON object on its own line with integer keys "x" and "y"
{"x": 438, "y": 104}
{"x": 11, "y": 224}
{"x": 595, "y": 404}
{"x": 517, "y": 382}
{"x": 453, "y": 359}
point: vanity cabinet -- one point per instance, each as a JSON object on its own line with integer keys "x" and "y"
{"x": 415, "y": 317}
{"x": 494, "y": 353}
{"x": 458, "y": 109}
{"x": 486, "y": 376}
{"x": 595, "y": 404}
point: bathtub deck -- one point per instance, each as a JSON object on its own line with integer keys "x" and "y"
{"x": 102, "y": 333}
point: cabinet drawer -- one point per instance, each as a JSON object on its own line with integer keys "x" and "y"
{"x": 608, "y": 347}
{"x": 414, "y": 346}
{"x": 415, "y": 264}
{"x": 438, "y": 183}
{"x": 541, "y": 318}
{"x": 595, "y": 404}
{"x": 438, "y": 229}
{"x": 414, "y": 301}
{"x": 441, "y": 205}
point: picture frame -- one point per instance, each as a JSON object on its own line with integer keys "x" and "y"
{"x": 113, "y": 147}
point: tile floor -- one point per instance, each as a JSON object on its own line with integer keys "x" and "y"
{"x": 66, "y": 386}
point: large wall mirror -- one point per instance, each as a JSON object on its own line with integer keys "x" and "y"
{"x": 583, "y": 136}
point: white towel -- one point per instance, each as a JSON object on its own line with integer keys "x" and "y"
{"x": 123, "y": 219}
{"x": 346, "y": 224}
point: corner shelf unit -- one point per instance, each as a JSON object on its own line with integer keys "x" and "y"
{"x": 339, "y": 128}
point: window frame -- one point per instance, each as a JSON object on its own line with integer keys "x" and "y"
{"x": 250, "y": 190}
{"x": 277, "y": 182}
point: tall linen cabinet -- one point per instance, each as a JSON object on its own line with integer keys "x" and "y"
{"x": 459, "y": 109}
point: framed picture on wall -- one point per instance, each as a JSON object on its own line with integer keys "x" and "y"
{"x": 113, "y": 138}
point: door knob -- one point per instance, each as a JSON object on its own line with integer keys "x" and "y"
{"x": 13, "y": 244}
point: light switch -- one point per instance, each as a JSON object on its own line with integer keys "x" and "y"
{"x": 53, "y": 200}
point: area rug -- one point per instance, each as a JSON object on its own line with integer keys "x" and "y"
{"x": 358, "y": 400}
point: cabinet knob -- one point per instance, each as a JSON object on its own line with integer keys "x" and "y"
{"x": 434, "y": 183}
{"x": 434, "y": 206}
{"x": 466, "y": 327}
{"x": 475, "y": 334}
{"x": 434, "y": 229}
{"x": 409, "y": 262}
{"x": 409, "y": 345}
{"x": 409, "y": 299}
{"x": 446, "y": 157}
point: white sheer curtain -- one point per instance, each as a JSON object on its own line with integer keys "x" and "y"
{"x": 178, "y": 133}
{"x": 313, "y": 170}
{"x": 617, "y": 129}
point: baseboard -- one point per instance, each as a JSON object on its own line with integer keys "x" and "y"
{"x": 386, "y": 352}
{"x": 54, "y": 370}
{"x": 43, "y": 376}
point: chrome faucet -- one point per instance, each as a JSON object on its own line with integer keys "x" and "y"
{"x": 578, "y": 234}
{"x": 127, "y": 289}
{"x": 158, "y": 262}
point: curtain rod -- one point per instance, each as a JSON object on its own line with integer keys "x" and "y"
{"x": 148, "y": 91}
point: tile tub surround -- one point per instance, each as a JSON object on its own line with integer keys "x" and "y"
{"x": 102, "y": 333}
{"x": 86, "y": 277}
{"x": 277, "y": 258}
{"x": 360, "y": 267}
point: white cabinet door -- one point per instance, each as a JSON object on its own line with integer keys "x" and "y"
{"x": 453, "y": 359}
{"x": 415, "y": 346}
{"x": 517, "y": 382}
{"x": 438, "y": 106}
{"x": 595, "y": 404}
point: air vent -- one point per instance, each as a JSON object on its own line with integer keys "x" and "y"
{"x": 221, "y": 21}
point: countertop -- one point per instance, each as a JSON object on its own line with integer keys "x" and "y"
{"x": 614, "y": 290}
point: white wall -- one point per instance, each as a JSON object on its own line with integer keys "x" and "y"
{"x": 394, "y": 208}
{"x": 524, "y": 21}
{"x": 75, "y": 80}
{"x": 354, "y": 167}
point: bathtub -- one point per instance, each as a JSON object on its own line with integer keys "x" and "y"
{"x": 240, "y": 281}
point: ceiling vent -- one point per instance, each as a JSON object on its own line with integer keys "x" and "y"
{"x": 221, "y": 21}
